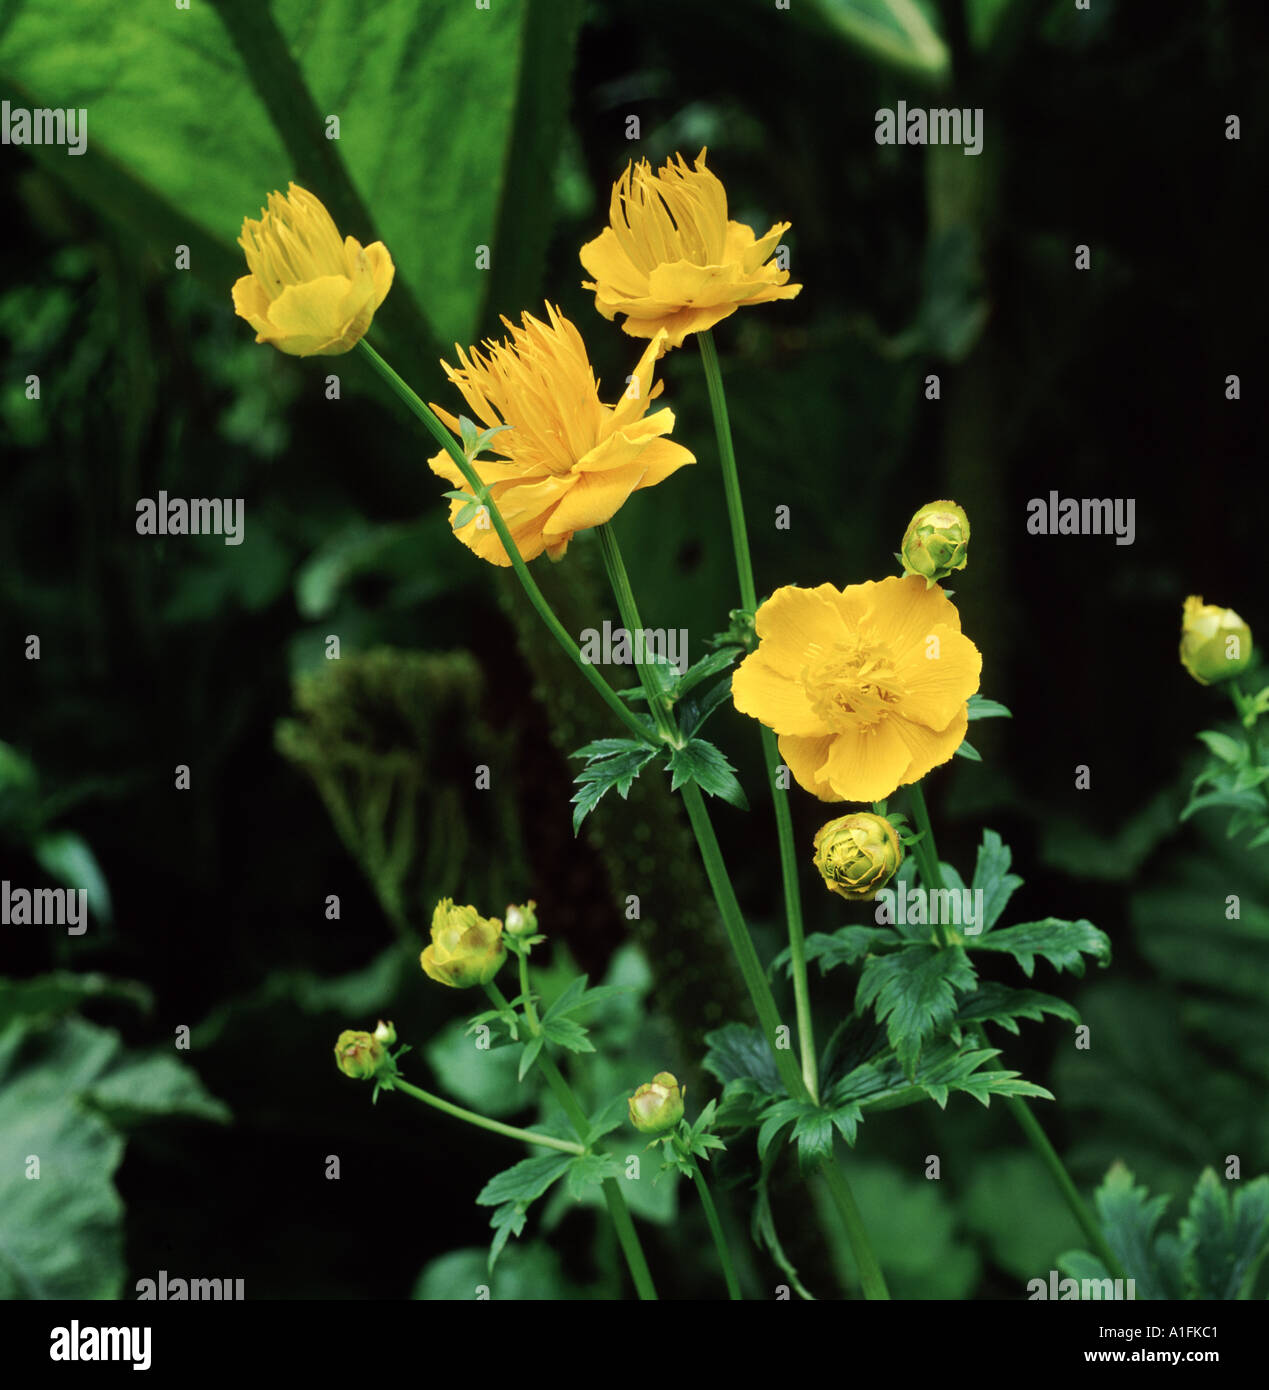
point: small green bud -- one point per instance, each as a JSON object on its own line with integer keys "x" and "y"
{"x": 386, "y": 1034}
{"x": 657, "y": 1104}
{"x": 857, "y": 855}
{"x": 936, "y": 542}
{"x": 1215, "y": 642}
{"x": 359, "y": 1054}
{"x": 522, "y": 920}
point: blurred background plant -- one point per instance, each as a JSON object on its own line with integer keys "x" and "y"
{"x": 312, "y": 779}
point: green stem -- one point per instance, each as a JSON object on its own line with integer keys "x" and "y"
{"x": 742, "y": 945}
{"x": 1018, "y": 1108}
{"x": 563, "y": 1093}
{"x": 927, "y": 856}
{"x": 631, "y": 621}
{"x": 494, "y": 1126}
{"x": 535, "y": 596}
{"x": 716, "y": 1230}
{"x": 770, "y": 749}
{"x": 870, "y": 1275}
{"x": 731, "y": 475}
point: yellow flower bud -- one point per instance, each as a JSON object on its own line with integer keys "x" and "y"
{"x": 857, "y": 854}
{"x": 1215, "y": 642}
{"x": 657, "y": 1104}
{"x": 935, "y": 542}
{"x": 466, "y": 949}
{"x": 359, "y": 1055}
{"x": 522, "y": 921}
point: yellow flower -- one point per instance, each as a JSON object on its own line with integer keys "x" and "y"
{"x": 569, "y": 460}
{"x": 670, "y": 259}
{"x": 467, "y": 949}
{"x": 1215, "y": 642}
{"x": 865, "y": 686}
{"x": 857, "y": 854}
{"x": 657, "y": 1104}
{"x": 309, "y": 294}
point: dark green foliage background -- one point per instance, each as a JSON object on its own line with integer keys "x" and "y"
{"x": 506, "y": 128}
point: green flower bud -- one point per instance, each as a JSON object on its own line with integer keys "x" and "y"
{"x": 1215, "y": 642}
{"x": 386, "y": 1034}
{"x": 359, "y": 1055}
{"x": 935, "y": 542}
{"x": 657, "y": 1104}
{"x": 522, "y": 921}
{"x": 857, "y": 855}
{"x": 467, "y": 949}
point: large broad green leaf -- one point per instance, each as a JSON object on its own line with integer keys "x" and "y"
{"x": 50, "y": 996}
{"x": 897, "y": 33}
{"x": 426, "y": 97}
{"x": 64, "y": 1092}
{"x": 1010, "y": 1200}
{"x": 912, "y": 1226}
{"x": 529, "y": 1271}
{"x": 61, "y": 1233}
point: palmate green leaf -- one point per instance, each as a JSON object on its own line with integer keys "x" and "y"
{"x": 997, "y": 1003}
{"x": 856, "y": 1040}
{"x": 696, "y": 709}
{"x": 611, "y": 762}
{"x": 882, "y": 1083}
{"x": 702, "y": 763}
{"x": 1063, "y": 944}
{"x": 743, "y": 1101}
{"x": 577, "y": 997}
{"x": 813, "y": 1134}
{"x": 778, "y": 1115}
{"x": 736, "y": 1051}
{"x": 607, "y": 1118}
{"x": 842, "y": 947}
{"x": 914, "y": 991}
{"x": 514, "y": 1190}
{"x": 590, "y": 1170}
{"x": 993, "y": 879}
{"x": 1223, "y": 1241}
{"x": 845, "y": 946}
{"x": 567, "y": 1033}
{"x": 703, "y": 669}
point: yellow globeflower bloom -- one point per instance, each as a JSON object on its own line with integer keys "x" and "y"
{"x": 670, "y": 259}
{"x": 309, "y": 294}
{"x": 1215, "y": 642}
{"x": 865, "y": 686}
{"x": 467, "y": 949}
{"x": 568, "y": 460}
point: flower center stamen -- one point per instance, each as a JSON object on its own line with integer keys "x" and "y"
{"x": 853, "y": 685}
